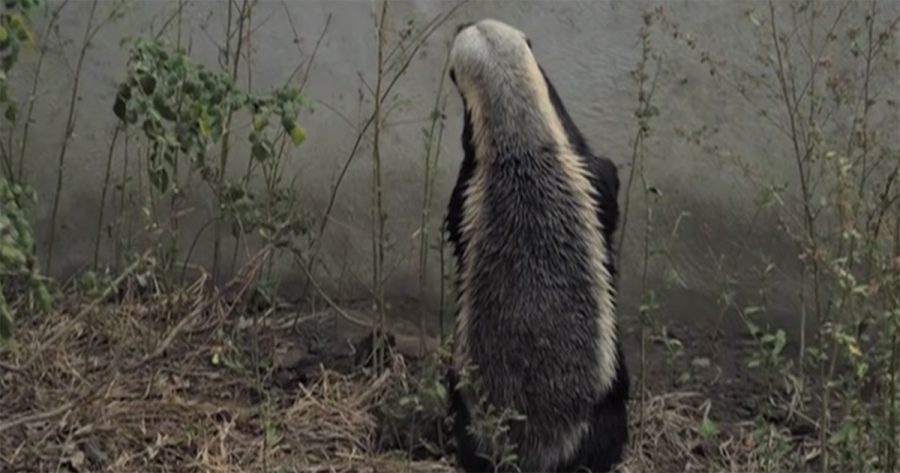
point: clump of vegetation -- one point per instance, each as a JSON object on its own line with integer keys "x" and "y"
{"x": 413, "y": 414}
{"x": 18, "y": 262}
{"x": 183, "y": 110}
{"x": 818, "y": 81}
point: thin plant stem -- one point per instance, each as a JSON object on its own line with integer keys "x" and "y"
{"x": 443, "y": 290}
{"x": 377, "y": 205}
{"x": 106, "y": 178}
{"x": 67, "y": 138}
{"x": 54, "y": 17}
{"x": 235, "y": 58}
{"x": 810, "y": 224}
{"x": 122, "y": 188}
{"x": 332, "y": 199}
{"x": 249, "y": 38}
{"x": 430, "y": 145}
{"x": 894, "y": 327}
{"x": 638, "y": 152}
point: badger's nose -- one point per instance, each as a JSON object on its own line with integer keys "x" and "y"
{"x": 463, "y": 26}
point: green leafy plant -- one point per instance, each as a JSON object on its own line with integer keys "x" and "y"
{"x": 182, "y": 110}
{"x": 815, "y": 83}
{"x": 17, "y": 260}
{"x": 490, "y": 423}
{"x": 413, "y": 414}
{"x": 16, "y": 35}
{"x": 18, "y": 263}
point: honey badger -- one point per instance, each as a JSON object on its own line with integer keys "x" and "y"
{"x": 530, "y": 221}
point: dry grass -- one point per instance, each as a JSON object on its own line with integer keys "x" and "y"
{"x": 155, "y": 381}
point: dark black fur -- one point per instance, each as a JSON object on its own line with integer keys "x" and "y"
{"x": 603, "y": 445}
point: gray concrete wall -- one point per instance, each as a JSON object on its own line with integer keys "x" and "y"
{"x": 589, "y": 49}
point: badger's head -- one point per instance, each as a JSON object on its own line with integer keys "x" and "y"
{"x": 491, "y": 58}
{"x": 501, "y": 83}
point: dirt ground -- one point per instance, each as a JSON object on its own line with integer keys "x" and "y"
{"x": 149, "y": 381}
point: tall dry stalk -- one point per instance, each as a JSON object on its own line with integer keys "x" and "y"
{"x": 32, "y": 97}
{"x": 378, "y": 216}
{"x": 233, "y": 61}
{"x": 644, "y": 112}
{"x": 98, "y": 233}
{"x": 400, "y": 59}
{"x": 433, "y": 139}
{"x": 801, "y": 160}
{"x": 89, "y": 32}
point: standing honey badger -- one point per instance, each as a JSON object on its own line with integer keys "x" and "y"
{"x": 531, "y": 220}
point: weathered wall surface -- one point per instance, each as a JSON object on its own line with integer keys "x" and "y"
{"x": 589, "y": 49}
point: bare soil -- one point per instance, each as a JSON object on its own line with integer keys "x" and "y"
{"x": 198, "y": 381}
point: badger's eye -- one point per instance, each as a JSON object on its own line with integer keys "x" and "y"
{"x": 453, "y": 75}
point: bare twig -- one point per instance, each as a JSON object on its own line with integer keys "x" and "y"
{"x": 57, "y": 411}
{"x": 54, "y": 17}
{"x": 103, "y": 191}
{"x": 69, "y": 130}
{"x": 328, "y": 300}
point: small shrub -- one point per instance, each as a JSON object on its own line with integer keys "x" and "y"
{"x": 183, "y": 111}
{"x": 17, "y": 260}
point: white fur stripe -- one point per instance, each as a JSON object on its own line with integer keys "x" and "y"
{"x": 585, "y": 195}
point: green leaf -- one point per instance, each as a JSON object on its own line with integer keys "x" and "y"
{"x": 203, "y": 122}
{"x": 4, "y": 35}
{"x": 12, "y": 256}
{"x": 121, "y": 102}
{"x": 708, "y": 428}
{"x": 259, "y": 122}
{"x": 6, "y": 322}
{"x": 12, "y": 111}
{"x": 159, "y": 177}
{"x": 440, "y": 391}
{"x": 754, "y": 329}
{"x": 780, "y": 341}
{"x": 298, "y": 135}
{"x": 262, "y": 150}
{"x": 42, "y": 295}
{"x": 18, "y": 24}
{"x": 159, "y": 103}
{"x": 148, "y": 83}
{"x": 846, "y": 433}
{"x": 288, "y": 123}
{"x": 752, "y": 310}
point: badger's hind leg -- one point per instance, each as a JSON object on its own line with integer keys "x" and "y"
{"x": 467, "y": 456}
{"x": 602, "y": 447}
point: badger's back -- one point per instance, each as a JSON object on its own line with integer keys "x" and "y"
{"x": 535, "y": 310}
{"x": 532, "y": 286}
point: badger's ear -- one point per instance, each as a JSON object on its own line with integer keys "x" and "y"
{"x": 528, "y": 42}
{"x": 453, "y": 76}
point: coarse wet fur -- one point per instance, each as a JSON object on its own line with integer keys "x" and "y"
{"x": 531, "y": 221}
